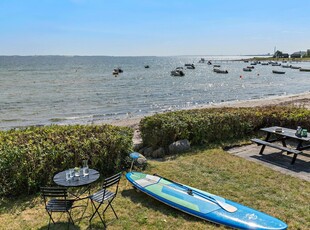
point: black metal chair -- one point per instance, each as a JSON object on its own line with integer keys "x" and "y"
{"x": 56, "y": 200}
{"x": 105, "y": 196}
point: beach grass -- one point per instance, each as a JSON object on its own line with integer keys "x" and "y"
{"x": 212, "y": 170}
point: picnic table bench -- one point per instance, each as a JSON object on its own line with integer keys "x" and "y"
{"x": 282, "y": 134}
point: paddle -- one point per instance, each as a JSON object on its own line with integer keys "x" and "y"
{"x": 190, "y": 192}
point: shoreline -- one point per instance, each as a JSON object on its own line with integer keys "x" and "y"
{"x": 302, "y": 99}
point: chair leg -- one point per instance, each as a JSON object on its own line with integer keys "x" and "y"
{"x": 49, "y": 221}
{"x": 113, "y": 209}
{"x": 70, "y": 219}
{"x": 97, "y": 211}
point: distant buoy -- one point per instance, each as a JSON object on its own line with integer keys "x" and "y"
{"x": 240, "y": 76}
{"x": 258, "y": 74}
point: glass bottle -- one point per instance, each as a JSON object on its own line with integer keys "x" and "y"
{"x": 85, "y": 168}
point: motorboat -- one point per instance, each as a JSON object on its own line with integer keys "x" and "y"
{"x": 278, "y": 72}
{"x": 286, "y": 66}
{"x": 177, "y": 73}
{"x": 216, "y": 65}
{"x": 250, "y": 67}
{"x": 220, "y": 71}
{"x": 146, "y": 66}
{"x": 116, "y": 71}
{"x": 304, "y": 70}
{"x": 190, "y": 66}
{"x": 202, "y": 60}
{"x": 295, "y": 67}
{"x": 247, "y": 69}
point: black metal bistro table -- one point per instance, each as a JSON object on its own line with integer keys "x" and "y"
{"x": 80, "y": 181}
{"x": 276, "y": 134}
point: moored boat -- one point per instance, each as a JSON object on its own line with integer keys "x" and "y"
{"x": 177, "y": 73}
{"x": 202, "y": 60}
{"x": 286, "y": 66}
{"x": 304, "y": 70}
{"x": 190, "y": 66}
{"x": 220, "y": 71}
{"x": 278, "y": 72}
{"x": 295, "y": 67}
{"x": 247, "y": 69}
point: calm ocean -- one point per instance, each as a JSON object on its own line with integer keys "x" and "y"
{"x": 41, "y": 90}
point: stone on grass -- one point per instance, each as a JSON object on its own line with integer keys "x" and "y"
{"x": 179, "y": 146}
{"x": 158, "y": 153}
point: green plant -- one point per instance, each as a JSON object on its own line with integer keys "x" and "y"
{"x": 29, "y": 157}
{"x": 205, "y": 126}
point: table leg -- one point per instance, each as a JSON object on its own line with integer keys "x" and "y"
{"x": 299, "y": 147}
{"x": 294, "y": 159}
{"x": 263, "y": 146}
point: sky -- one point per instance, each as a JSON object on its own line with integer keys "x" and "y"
{"x": 153, "y": 27}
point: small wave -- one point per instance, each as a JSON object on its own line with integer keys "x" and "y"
{"x": 59, "y": 119}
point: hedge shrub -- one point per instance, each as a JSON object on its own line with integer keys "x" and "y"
{"x": 30, "y": 157}
{"x": 203, "y": 126}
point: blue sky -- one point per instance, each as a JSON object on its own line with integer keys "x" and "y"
{"x": 153, "y": 27}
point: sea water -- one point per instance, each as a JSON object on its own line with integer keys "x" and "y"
{"x": 44, "y": 90}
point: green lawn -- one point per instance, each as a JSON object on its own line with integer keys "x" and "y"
{"x": 213, "y": 170}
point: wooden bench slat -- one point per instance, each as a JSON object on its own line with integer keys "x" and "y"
{"x": 262, "y": 142}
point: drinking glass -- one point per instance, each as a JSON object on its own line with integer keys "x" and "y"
{"x": 76, "y": 171}
{"x": 68, "y": 175}
{"x": 71, "y": 172}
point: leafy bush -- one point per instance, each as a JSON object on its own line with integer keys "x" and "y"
{"x": 30, "y": 157}
{"x": 203, "y": 126}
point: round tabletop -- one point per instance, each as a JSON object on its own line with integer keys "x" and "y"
{"x": 60, "y": 179}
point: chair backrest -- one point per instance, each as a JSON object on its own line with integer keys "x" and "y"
{"x": 113, "y": 180}
{"x": 53, "y": 192}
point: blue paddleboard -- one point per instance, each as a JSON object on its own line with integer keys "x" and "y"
{"x": 203, "y": 204}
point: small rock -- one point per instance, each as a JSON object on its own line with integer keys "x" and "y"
{"x": 158, "y": 153}
{"x": 179, "y": 146}
{"x": 148, "y": 151}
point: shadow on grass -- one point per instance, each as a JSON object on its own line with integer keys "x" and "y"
{"x": 13, "y": 204}
{"x": 139, "y": 197}
{"x": 59, "y": 226}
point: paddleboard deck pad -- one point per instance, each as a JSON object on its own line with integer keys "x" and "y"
{"x": 202, "y": 204}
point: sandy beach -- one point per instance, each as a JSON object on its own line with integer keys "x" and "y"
{"x": 302, "y": 100}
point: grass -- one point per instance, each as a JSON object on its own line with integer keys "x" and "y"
{"x": 212, "y": 170}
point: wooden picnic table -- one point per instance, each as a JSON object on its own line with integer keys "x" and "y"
{"x": 281, "y": 134}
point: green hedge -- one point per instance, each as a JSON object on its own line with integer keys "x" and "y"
{"x": 30, "y": 157}
{"x": 203, "y": 126}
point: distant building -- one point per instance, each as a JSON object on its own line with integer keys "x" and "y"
{"x": 308, "y": 52}
{"x": 285, "y": 55}
{"x": 298, "y": 54}
{"x": 279, "y": 54}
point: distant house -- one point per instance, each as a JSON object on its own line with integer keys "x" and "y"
{"x": 298, "y": 54}
{"x": 279, "y": 54}
{"x": 285, "y": 55}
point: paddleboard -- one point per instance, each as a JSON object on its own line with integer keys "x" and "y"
{"x": 202, "y": 204}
